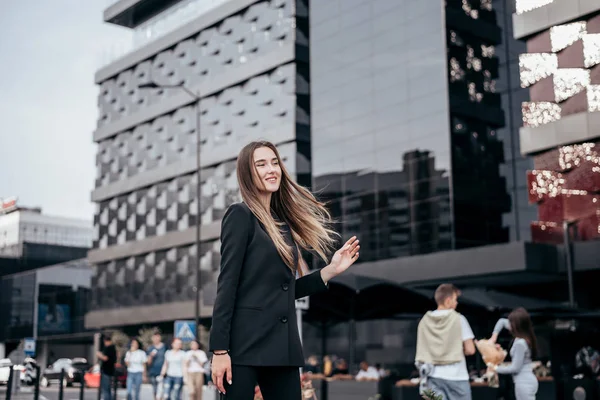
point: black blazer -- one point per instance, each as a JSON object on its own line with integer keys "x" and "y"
{"x": 254, "y": 315}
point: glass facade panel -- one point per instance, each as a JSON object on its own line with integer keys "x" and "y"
{"x": 522, "y": 213}
{"x": 380, "y": 132}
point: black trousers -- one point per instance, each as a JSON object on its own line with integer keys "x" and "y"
{"x": 276, "y": 383}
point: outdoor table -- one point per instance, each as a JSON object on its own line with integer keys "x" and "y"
{"x": 351, "y": 390}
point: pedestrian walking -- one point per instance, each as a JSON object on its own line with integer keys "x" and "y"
{"x": 108, "y": 359}
{"x": 172, "y": 371}
{"x": 444, "y": 337}
{"x": 156, "y": 359}
{"x": 135, "y": 360}
{"x": 194, "y": 370}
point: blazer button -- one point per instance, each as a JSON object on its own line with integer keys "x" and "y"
{"x": 285, "y": 287}
{"x": 283, "y": 320}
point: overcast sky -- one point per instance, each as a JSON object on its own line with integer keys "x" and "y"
{"x": 50, "y": 52}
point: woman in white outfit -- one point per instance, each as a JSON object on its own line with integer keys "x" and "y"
{"x": 135, "y": 359}
{"x": 194, "y": 370}
{"x": 522, "y": 352}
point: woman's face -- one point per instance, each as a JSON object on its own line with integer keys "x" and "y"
{"x": 134, "y": 345}
{"x": 177, "y": 344}
{"x": 268, "y": 170}
{"x": 194, "y": 345}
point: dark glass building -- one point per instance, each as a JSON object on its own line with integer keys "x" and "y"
{"x": 409, "y": 127}
{"x": 48, "y": 304}
{"x": 30, "y": 242}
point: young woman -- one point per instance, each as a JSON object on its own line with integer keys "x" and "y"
{"x": 254, "y": 336}
{"x": 135, "y": 359}
{"x": 522, "y": 352}
{"x": 172, "y": 371}
{"x": 194, "y": 370}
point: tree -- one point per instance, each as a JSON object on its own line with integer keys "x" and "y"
{"x": 121, "y": 342}
{"x": 145, "y": 336}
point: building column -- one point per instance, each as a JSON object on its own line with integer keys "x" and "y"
{"x": 42, "y": 353}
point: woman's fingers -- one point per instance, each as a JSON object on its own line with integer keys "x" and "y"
{"x": 350, "y": 241}
{"x": 350, "y": 245}
{"x": 219, "y": 382}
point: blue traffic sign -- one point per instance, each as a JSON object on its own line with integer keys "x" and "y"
{"x": 29, "y": 347}
{"x": 185, "y": 330}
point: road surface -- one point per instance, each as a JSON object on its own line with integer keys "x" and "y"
{"x": 51, "y": 393}
{"x": 72, "y": 393}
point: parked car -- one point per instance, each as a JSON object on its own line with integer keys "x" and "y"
{"x": 74, "y": 370}
{"x": 92, "y": 377}
{"x": 5, "y": 366}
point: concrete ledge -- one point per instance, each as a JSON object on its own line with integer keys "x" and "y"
{"x": 280, "y": 135}
{"x": 169, "y": 240}
{"x": 227, "y": 79}
{"x": 508, "y": 258}
{"x": 124, "y": 316}
{"x": 555, "y": 13}
{"x": 162, "y": 43}
{"x": 571, "y": 129}
{"x": 118, "y": 8}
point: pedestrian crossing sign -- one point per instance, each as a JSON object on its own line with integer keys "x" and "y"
{"x": 185, "y": 330}
{"x": 29, "y": 347}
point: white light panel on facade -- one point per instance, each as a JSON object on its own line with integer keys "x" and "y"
{"x": 562, "y": 36}
{"x": 539, "y": 113}
{"x": 528, "y": 5}
{"x": 536, "y": 66}
{"x": 486, "y": 5}
{"x": 487, "y": 51}
{"x": 593, "y": 98}
{"x": 546, "y": 183}
{"x": 474, "y": 95}
{"x": 489, "y": 84}
{"x": 591, "y": 49}
{"x": 570, "y": 81}
{"x": 466, "y": 6}
{"x": 456, "y": 72}
{"x": 456, "y": 39}
{"x": 549, "y": 183}
{"x": 473, "y": 62}
{"x": 572, "y": 156}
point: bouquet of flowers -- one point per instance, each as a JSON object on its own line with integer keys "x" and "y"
{"x": 308, "y": 391}
{"x": 493, "y": 355}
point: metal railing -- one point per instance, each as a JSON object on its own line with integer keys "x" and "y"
{"x": 14, "y": 391}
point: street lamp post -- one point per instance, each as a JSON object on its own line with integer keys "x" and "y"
{"x": 569, "y": 259}
{"x": 196, "y": 97}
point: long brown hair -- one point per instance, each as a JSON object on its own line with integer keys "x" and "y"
{"x": 522, "y": 327}
{"x": 308, "y": 219}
